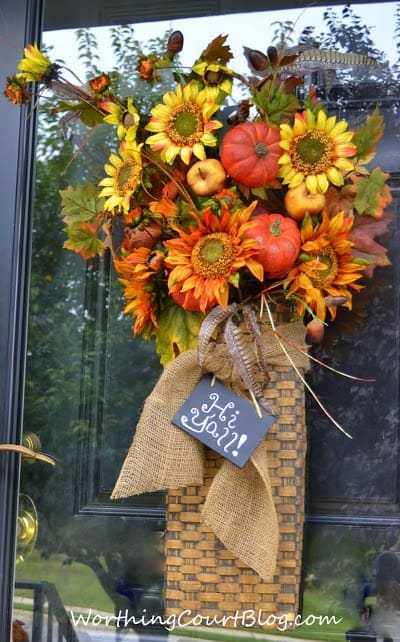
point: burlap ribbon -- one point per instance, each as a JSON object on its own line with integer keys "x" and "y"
{"x": 239, "y": 507}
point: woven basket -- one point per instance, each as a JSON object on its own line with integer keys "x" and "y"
{"x": 205, "y": 578}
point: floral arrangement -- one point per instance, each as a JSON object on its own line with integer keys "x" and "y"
{"x": 271, "y": 201}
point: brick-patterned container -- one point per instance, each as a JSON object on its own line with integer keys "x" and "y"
{"x": 205, "y": 578}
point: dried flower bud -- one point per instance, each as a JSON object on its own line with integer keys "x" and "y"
{"x": 334, "y": 301}
{"x": 145, "y": 68}
{"x": 272, "y": 54}
{"x": 99, "y": 84}
{"x": 257, "y": 60}
{"x": 16, "y": 91}
{"x": 244, "y": 110}
{"x": 175, "y": 43}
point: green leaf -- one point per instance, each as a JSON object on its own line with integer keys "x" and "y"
{"x": 178, "y": 331}
{"x": 367, "y": 137}
{"x": 372, "y": 193}
{"x": 274, "y": 103}
{"x": 80, "y": 203}
{"x": 89, "y": 115}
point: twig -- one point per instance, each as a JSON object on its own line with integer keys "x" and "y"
{"x": 302, "y": 379}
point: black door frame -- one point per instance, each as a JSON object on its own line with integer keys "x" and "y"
{"x": 21, "y": 22}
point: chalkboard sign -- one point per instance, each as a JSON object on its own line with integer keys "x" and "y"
{"x": 223, "y": 421}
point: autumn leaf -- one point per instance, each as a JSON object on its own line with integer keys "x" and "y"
{"x": 372, "y": 193}
{"x": 81, "y": 208}
{"x": 363, "y": 234}
{"x": 217, "y": 51}
{"x": 83, "y": 239}
{"x": 80, "y": 203}
{"x": 340, "y": 200}
{"x": 366, "y": 138}
{"x": 178, "y": 331}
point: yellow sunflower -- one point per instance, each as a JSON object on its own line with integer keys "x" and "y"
{"x": 316, "y": 150}
{"x": 126, "y": 119}
{"x": 205, "y": 260}
{"x": 137, "y": 272}
{"x": 327, "y": 268}
{"x": 214, "y": 74}
{"x": 35, "y": 65}
{"x": 182, "y": 125}
{"x": 123, "y": 178}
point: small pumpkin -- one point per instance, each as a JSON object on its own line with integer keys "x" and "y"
{"x": 279, "y": 243}
{"x": 250, "y": 153}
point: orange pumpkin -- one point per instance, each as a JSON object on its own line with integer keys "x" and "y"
{"x": 279, "y": 243}
{"x": 250, "y": 153}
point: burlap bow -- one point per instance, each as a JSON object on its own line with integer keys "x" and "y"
{"x": 239, "y": 507}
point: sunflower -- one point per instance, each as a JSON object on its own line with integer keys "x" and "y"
{"x": 327, "y": 268}
{"x": 182, "y": 124}
{"x": 214, "y": 74}
{"x": 126, "y": 118}
{"x": 37, "y": 67}
{"x": 206, "y": 259}
{"x": 316, "y": 150}
{"x": 123, "y": 178}
{"x": 139, "y": 271}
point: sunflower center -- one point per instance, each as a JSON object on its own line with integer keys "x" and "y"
{"x": 127, "y": 119}
{"x": 213, "y": 255}
{"x": 186, "y": 124}
{"x": 127, "y": 177}
{"x": 323, "y": 277}
{"x": 312, "y": 153}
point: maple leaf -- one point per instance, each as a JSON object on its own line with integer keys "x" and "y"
{"x": 363, "y": 234}
{"x": 217, "y": 51}
{"x": 367, "y": 137}
{"x": 340, "y": 200}
{"x": 178, "y": 330}
{"x": 82, "y": 208}
{"x": 80, "y": 203}
{"x": 83, "y": 239}
{"x": 372, "y": 193}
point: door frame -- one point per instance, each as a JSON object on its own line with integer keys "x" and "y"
{"x": 21, "y": 22}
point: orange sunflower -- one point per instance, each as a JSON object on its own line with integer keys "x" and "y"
{"x": 205, "y": 260}
{"x": 137, "y": 272}
{"x": 328, "y": 267}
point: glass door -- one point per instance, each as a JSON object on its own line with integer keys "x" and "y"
{"x": 87, "y": 565}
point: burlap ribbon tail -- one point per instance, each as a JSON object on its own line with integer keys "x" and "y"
{"x": 239, "y": 506}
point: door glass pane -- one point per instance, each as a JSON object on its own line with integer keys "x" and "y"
{"x": 87, "y": 378}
